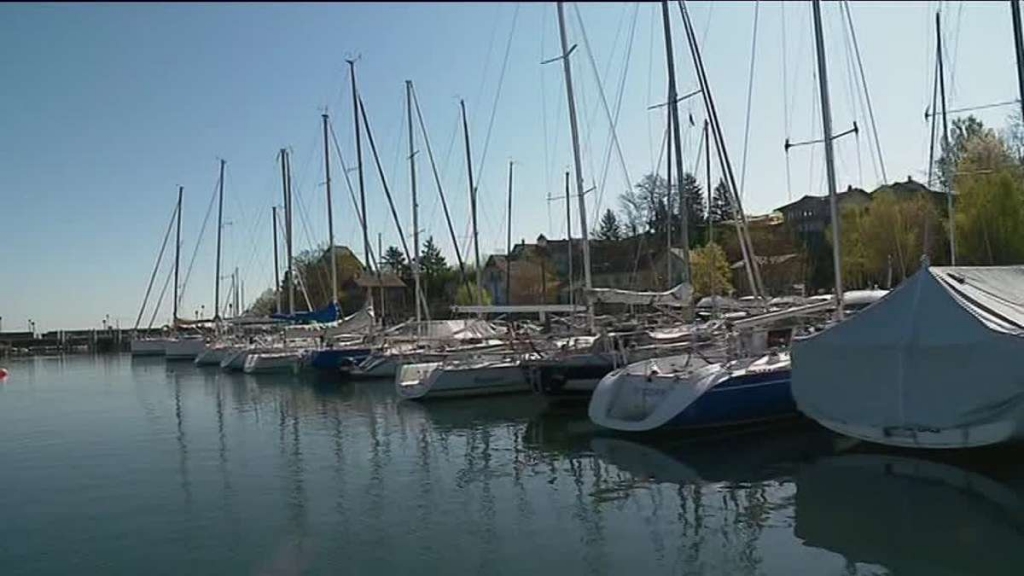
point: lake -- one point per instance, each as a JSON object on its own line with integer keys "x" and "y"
{"x": 110, "y": 465}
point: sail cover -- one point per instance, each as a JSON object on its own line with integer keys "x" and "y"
{"x": 329, "y": 313}
{"x": 943, "y": 351}
{"x": 680, "y": 296}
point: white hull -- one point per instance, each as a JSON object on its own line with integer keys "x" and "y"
{"x": 234, "y": 360}
{"x": 273, "y": 362}
{"x": 148, "y": 347}
{"x": 214, "y": 356}
{"x": 476, "y": 378}
{"x": 184, "y": 348}
{"x": 648, "y": 394}
{"x": 974, "y": 436}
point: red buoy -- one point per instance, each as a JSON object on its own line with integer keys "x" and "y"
{"x": 3, "y": 373}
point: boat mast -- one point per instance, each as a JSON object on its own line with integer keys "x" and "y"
{"x": 668, "y": 202}
{"x": 177, "y": 257}
{"x": 330, "y": 216}
{"x": 1018, "y": 44}
{"x": 415, "y": 208}
{"x": 947, "y": 181}
{"x": 286, "y": 175}
{"x": 729, "y": 177}
{"x": 472, "y": 202}
{"x": 711, "y": 230}
{"x": 508, "y": 241}
{"x": 826, "y": 126}
{"x": 673, "y": 105}
{"x": 359, "y": 170}
{"x": 220, "y": 226}
{"x": 567, "y": 69}
{"x": 568, "y": 232}
{"x": 277, "y": 267}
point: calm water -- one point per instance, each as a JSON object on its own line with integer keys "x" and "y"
{"x": 114, "y": 466}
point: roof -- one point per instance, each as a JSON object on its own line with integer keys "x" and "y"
{"x": 907, "y": 188}
{"x": 847, "y": 194}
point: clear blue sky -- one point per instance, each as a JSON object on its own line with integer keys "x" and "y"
{"x": 108, "y": 108}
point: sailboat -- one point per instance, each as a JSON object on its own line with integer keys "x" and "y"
{"x": 694, "y": 390}
{"x": 156, "y": 346}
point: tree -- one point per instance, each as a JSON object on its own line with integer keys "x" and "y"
{"x": 710, "y": 271}
{"x": 609, "y": 228}
{"x": 432, "y": 262}
{"x": 394, "y": 262}
{"x": 467, "y": 294}
{"x": 721, "y": 207}
{"x": 962, "y": 130}
{"x": 990, "y": 203}
{"x": 695, "y": 217}
{"x": 633, "y": 211}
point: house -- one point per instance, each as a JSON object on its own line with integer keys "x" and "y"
{"x": 388, "y": 292}
{"x": 912, "y": 189}
{"x": 812, "y": 214}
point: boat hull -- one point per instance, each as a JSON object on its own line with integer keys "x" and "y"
{"x": 213, "y": 356}
{"x": 272, "y": 363}
{"x": 148, "y": 347}
{"x": 433, "y": 380}
{"x": 566, "y": 381}
{"x": 184, "y": 349}
{"x": 661, "y": 395}
{"x": 332, "y": 359}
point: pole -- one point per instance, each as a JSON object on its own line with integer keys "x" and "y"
{"x": 576, "y": 158}
{"x": 415, "y": 208}
{"x": 1018, "y": 43}
{"x": 330, "y": 216}
{"x": 568, "y": 233}
{"x": 359, "y": 163}
{"x": 826, "y": 125}
{"x": 277, "y": 266}
{"x": 288, "y": 231}
{"x": 383, "y": 293}
{"x": 177, "y": 257}
{"x": 472, "y": 200}
{"x": 674, "y": 121}
{"x": 668, "y": 203}
{"x": 947, "y": 181}
{"x": 508, "y": 241}
{"x": 220, "y": 225}
{"x": 711, "y": 221}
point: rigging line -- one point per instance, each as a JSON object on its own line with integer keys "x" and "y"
{"x": 544, "y": 115}
{"x": 643, "y": 235}
{"x": 487, "y": 62}
{"x": 156, "y": 267}
{"x": 956, "y": 50}
{"x": 351, "y": 190}
{"x": 856, "y": 98}
{"x": 199, "y": 241}
{"x": 255, "y": 245}
{"x": 650, "y": 75}
{"x": 787, "y": 125}
{"x": 867, "y": 94}
{"x": 497, "y": 96}
{"x": 612, "y": 119}
{"x": 750, "y": 99}
{"x": 974, "y": 108}
{"x": 934, "y": 118}
{"x": 160, "y": 300}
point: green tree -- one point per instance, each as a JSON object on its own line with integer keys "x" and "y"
{"x": 720, "y": 208}
{"x": 990, "y": 203}
{"x": 432, "y": 261}
{"x": 962, "y": 130}
{"x": 394, "y": 262}
{"x": 710, "y": 270}
{"x": 695, "y": 211}
{"x": 466, "y": 295}
{"x": 609, "y": 229}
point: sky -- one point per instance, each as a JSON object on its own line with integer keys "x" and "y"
{"x": 108, "y": 108}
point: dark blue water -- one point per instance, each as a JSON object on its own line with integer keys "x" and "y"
{"x": 115, "y": 466}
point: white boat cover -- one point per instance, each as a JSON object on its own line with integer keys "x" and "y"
{"x": 941, "y": 352}
{"x": 680, "y": 296}
{"x": 463, "y": 329}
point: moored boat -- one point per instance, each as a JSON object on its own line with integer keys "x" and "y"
{"x": 184, "y": 348}
{"x": 148, "y": 346}
{"x": 471, "y": 377}
{"x": 273, "y": 362}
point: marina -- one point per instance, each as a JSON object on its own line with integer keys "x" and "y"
{"x": 678, "y": 374}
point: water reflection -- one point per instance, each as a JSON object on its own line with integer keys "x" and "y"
{"x": 912, "y": 515}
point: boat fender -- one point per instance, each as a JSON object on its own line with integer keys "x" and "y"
{"x": 3, "y": 373}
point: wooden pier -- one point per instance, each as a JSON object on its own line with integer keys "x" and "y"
{"x": 109, "y": 340}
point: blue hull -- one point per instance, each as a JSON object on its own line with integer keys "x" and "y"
{"x": 740, "y": 400}
{"x": 331, "y": 359}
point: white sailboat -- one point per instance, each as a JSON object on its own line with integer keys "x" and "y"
{"x": 482, "y": 376}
